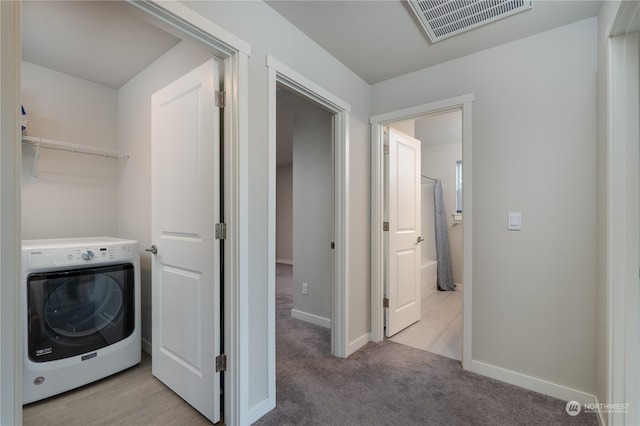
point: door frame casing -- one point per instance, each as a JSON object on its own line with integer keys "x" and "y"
{"x": 10, "y": 216}
{"x": 623, "y": 209}
{"x": 464, "y": 104}
{"x": 279, "y": 73}
{"x": 234, "y": 52}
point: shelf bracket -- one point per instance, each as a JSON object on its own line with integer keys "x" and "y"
{"x": 35, "y": 161}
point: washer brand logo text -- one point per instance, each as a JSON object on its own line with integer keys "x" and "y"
{"x": 44, "y": 351}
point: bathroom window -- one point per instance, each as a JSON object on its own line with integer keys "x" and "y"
{"x": 459, "y": 186}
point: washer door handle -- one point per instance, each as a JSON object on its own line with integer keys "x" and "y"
{"x": 153, "y": 249}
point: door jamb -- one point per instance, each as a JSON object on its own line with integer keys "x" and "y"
{"x": 235, "y": 53}
{"x": 623, "y": 239}
{"x": 280, "y": 73}
{"x": 463, "y": 103}
{"x": 10, "y": 218}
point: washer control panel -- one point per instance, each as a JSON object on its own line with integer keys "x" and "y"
{"x": 37, "y": 258}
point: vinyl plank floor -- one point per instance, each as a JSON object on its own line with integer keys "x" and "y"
{"x": 132, "y": 397}
{"x": 440, "y": 327}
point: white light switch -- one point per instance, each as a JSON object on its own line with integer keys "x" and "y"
{"x": 514, "y": 222}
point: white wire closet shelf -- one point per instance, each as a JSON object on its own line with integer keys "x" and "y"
{"x": 72, "y": 147}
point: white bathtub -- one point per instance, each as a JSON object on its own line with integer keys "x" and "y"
{"x": 428, "y": 276}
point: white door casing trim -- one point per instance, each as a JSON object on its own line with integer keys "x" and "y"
{"x": 10, "y": 219}
{"x": 280, "y": 73}
{"x": 464, "y": 104}
{"x": 623, "y": 239}
{"x": 235, "y": 53}
{"x": 192, "y": 23}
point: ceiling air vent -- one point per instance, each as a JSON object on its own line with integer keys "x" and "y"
{"x": 445, "y": 18}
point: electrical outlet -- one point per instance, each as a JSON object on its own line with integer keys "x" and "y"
{"x": 305, "y": 288}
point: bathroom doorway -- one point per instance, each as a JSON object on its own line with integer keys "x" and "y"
{"x": 463, "y": 104}
{"x": 439, "y": 329}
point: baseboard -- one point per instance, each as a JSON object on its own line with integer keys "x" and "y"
{"x": 313, "y": 319}
{"x": 146, "y": 346}
{"x": 532, "y": 383}
{"x": 284, "y": 261}
{"x": 260, "y": 410}
{"x": 357, "y": 344}
{"x": 602, "y": 416}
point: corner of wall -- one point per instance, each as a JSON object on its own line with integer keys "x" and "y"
{"x": 357, "y": 343}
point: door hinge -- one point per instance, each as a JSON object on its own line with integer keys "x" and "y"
{"x": 219, "y": 98}
{"x": 221, "y": 363}
{"x": 385, "y": 226}
{"x": 385, "y": 303}
{"x": 221, "y": 231}
{"x": 333, "y": 245}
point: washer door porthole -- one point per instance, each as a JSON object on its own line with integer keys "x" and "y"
{"x": 78, "y": 307}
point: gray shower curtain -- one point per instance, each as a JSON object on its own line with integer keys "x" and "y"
{"x": 443, "y": 254}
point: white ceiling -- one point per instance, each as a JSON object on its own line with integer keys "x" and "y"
{"x": 107, "y": 41}
{"x": 382, "y": 39}
{"x": 100, "y": 41}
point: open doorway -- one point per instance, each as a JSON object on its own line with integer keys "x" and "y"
{"x": 304, "y": 209}
{"x": 463, "y": 104}
{"x": 439, "y": 328}
{"x": 117, "y": 115}
{"x": 283, "y": 77}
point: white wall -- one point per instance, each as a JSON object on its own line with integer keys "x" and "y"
{"x": 408, "y": 127}
{"x": 304, "y": 205}
{"x": 312, "y": 212}
{"x": 284, "y": 214}
{"x": 534, "y": 150}
{"x": 284, "y": 180}
{"x": 440, "y": 129}
{"x": 270, "y": 34}
{"x": 74, "y": 195}
{"x": 134, "y": 136}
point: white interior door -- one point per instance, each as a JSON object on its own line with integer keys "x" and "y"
{"x": 186, "y": 268}
{"x": 404, "y": 237}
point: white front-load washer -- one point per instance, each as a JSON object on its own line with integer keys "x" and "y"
{"x": 81, "y": 304}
